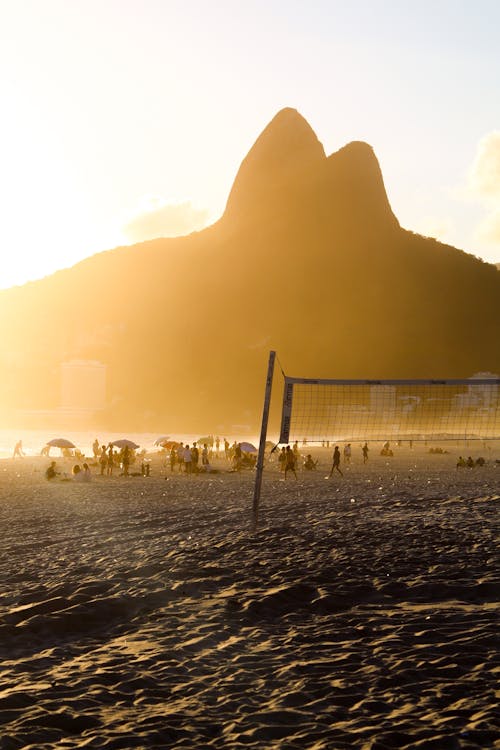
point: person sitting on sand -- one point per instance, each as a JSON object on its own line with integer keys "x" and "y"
{"x": 386, "y": 450}
{"x": 77, "y": 473}
{"x": 86, "y": 473}
{"x": 470, "y": 462}
{"x": 50, "y": 472}
{"x": 461, "y": 463}
{"x": 309, "y": 464}
{"x": 480, "y": 461}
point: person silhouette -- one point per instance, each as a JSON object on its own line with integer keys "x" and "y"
{"x": 309, "y": 463}
{"x": 50, "y": 472}
{"x": 336, "y": 462}
{"x": 290, "y": 461}
{"x": 18, "y": 450}
{"x": 365, "y": 453}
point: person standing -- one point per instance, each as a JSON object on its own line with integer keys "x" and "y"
{"x": 103, "y": 460}
{"x": 237, "y": 456}
{"x": 365, "y": 453}
{"x": 18, "y": 450}
{"x": 195, "y": 457}
{"x": 290, "y": 461}
{"x": 180, "y": 457}
{"x": 347, "y": 453}
{"x": 336, "y": 462}
{"x": 204, "y": 457}
{"x": 125, "y": 460}
{"x": 111, "y": 460}
{"x": 188, "y": 457}
{"x": 173, "y": 458}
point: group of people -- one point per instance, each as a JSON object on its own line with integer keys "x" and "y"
{"x": 189, "y": 459}
{"x": 470, "y": 462}
{"x": 289, "y": 459}
{"x": 78, "y": 473}
{"x": 108, "y": 458}
{"x": 186, "y": 458}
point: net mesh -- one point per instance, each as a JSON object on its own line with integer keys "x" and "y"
{"x": 335, "y": 410}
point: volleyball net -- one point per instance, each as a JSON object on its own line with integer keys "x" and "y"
{"x": 316, "y": 410}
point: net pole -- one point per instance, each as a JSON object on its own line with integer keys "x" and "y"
{"x": 262, "y": 443}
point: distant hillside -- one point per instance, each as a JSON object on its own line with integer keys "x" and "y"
{"x": 308, "y": 259}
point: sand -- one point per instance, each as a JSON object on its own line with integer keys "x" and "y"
{"x": 146, "y": 613}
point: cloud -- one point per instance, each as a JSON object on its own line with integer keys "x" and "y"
{"x": 485, "y": 172}
{"x": 159, "y": 218}
{"x": 484, "y": 185}
{"x": 489, "y": 229}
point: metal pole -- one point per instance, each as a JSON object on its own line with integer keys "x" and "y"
{"x": 263, "y": 435}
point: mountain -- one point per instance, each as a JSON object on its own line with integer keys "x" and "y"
{"x": 307, "y": 259}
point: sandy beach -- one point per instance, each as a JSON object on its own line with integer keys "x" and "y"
{"x": 144, "y": 612}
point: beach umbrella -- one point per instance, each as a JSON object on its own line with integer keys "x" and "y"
{"x": 170, "y": 444}
{"x": 162, "y": 440}
{"x": 61, "y": 443}
{"x": 248, "y": 448}
{"x": 208, "y": 439}
{"x": 124, "y": 443}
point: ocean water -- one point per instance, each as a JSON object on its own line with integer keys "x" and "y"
{"x": 35, "y": 440}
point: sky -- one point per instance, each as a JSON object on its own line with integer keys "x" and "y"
{"x": 123, "y": 120}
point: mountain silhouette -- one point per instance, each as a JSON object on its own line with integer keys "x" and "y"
{"x": 307, "y": 259}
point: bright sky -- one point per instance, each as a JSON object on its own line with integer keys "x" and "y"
{"x": 126, "y": 119}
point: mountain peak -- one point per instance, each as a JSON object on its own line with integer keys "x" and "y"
{"x": 356, "y": 179}
{"x": 284, "y": 152}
